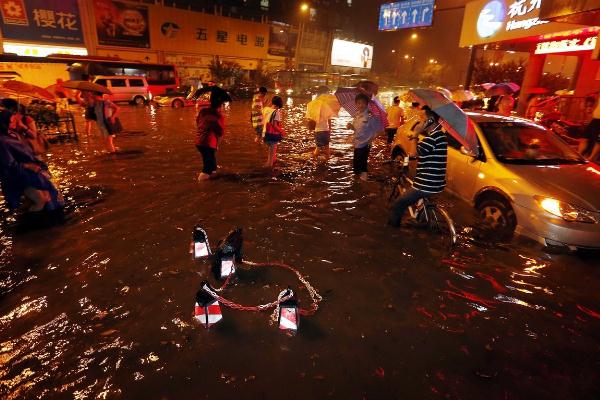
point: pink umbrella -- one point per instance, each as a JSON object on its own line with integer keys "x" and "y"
{"x": 346, "y": 96}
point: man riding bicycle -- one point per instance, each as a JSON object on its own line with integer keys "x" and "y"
{"x": 431, "y": 166}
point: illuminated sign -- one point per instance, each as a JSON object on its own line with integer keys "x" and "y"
{"x": 406, "y": 14}
{"x": 351, "y": 54}
{"x": 489, "y": 21}
{"x": 566, "y": 45}
{"x": 33, "y": 50}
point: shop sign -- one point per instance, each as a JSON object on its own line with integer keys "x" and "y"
{"x": 46, "y": 21}
{"x": 566, "y": 45}
{"x": 488, "y": 21}
{"x": 121, "y": 24}
{"x": 33, "y": 50}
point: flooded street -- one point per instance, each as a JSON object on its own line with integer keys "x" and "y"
{"x": 101, "y": 306}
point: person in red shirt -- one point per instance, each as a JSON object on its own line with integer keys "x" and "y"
{"x": 210, "y": 125}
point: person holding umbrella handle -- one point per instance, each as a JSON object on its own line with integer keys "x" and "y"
{"x": 431, "y": 166}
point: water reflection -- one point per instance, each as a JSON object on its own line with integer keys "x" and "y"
{"x": 100, "y": 306}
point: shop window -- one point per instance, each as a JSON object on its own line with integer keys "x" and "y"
{"x": 118, "y": 83}
{"x": 242, "y": 39}
{"x": 201, "y": 34}
{"x": 260, "y": 41}
{"x": 222, "y": 36}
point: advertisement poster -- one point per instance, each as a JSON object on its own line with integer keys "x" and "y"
{"x": 406, "y": 14}
{"x": 351, "y": 54}
{"x": 48, "y": 21}
{"x": 121, "y": 24}
{"x": 282, "y": 41}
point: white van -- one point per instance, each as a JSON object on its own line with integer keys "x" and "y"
{"x": 128, "y": 88}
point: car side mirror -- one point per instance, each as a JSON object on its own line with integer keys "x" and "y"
{"x": 473, "y": 154}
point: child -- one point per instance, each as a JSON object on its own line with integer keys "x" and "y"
{"x": 273, "y": 131}
{"x": 210, "y": 125}
{"x": 318, "y": 116}
{"x": 365, "y": 127}
{"x": 257, "y": 112}
{"x": 395, "y": 117}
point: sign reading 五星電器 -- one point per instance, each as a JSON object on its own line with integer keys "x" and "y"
{"x": 406, "y": 14}
{"x": 47, "y": 21}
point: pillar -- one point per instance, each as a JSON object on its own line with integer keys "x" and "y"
{"x": 533, "y": 73}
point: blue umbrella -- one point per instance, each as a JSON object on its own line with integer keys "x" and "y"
{"x": 458, "y": 122}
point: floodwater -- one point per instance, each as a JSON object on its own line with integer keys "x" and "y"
{"x": 101, "y": 305}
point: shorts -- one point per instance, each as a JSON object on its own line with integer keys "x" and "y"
{"x": 322, "y": 138}
{"x": 390, "y": 132}
{"x": 272, "y": 139}
{"x": 258, "y": 130}
{"x": 592, "y": 131}
{"x": 90, "y": 114}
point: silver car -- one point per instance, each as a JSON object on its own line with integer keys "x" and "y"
{"x": 524, "y": 179}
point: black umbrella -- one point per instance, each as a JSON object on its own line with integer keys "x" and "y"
{"x": 217, "y": 94}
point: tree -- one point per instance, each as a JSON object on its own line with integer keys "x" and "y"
{"x": 227, "y": 72}
{"x": 431, "y": 73}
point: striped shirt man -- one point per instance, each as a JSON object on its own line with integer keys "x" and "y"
{"x": 431, "y": 167}
{"x": 257, "y": 113}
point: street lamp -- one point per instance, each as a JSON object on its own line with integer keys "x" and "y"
{"x": 414, "y": 36}
{"x": 304, "y": 7}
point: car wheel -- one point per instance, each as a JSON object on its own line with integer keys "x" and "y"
{"x": 498, "y": 216}
{"x": 138, "y": 100}
{"x": 177, "y": 104}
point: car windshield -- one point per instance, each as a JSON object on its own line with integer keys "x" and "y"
{"x": 521, "y": 142}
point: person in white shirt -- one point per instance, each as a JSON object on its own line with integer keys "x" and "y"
{"x": 318, "y": 116}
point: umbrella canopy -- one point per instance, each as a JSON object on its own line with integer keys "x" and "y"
{"x": 328, "y": 102}
{"x": 346, "y": 96}
{"x": 28, "y": 90}
{"x": 487, "y": 86}
{"x": 459, "y": 125}
{"x": 444, "y": 91}
{"x": 85, "y": 85}
{"x": 500, "y": 89}
{"x": 216, "y": 94}
{"x": 462, "y": 95}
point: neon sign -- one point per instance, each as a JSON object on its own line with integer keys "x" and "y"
{"x": 566, "y": 45}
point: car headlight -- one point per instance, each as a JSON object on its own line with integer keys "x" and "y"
{"x": 566, "y": 211}
{"x": 289, "y": 91}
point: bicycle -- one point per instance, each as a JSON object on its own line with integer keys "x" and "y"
{"x": 425, "y": 212}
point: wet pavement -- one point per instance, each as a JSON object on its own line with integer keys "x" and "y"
{"x": 101, "y": 306}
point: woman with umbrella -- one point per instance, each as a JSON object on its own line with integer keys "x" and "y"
{"x": 210, "y": 125}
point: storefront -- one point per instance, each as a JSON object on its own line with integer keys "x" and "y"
{"x": 519, "y": 26}
{"x": 41, "y": 27}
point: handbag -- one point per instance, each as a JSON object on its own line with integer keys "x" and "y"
{"x": 271, "y": 135}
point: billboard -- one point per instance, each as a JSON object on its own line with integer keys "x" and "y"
{"x": 406, "y": 14}
{"x": 351, "y": 54}
{"x": 282, "y": 41}
{"x": 47, "y": 21}
{"x": 121, "y": 24}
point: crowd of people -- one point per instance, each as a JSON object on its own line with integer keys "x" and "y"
{"x": 266, "y": 121}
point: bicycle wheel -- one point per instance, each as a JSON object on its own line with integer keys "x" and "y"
{"x": 437, "y": 221}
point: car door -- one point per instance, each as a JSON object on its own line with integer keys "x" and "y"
{"x": 119, "y": 89}
{"x": 462, "y": 170}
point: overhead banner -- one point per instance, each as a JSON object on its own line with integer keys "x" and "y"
{"x": 47, "y": 21}
{"x": 406, "y": 14}
{"x": 282, "y": 41}
{"x": 489, "y": 21}
{"x": 351, "y": 54}
{"x": 121, "y": 24}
